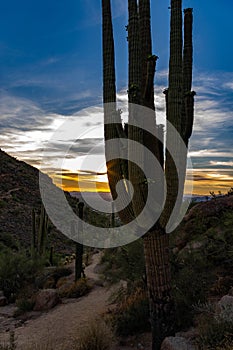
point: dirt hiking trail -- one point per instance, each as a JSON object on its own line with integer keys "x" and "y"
{"x": 63, "y": 324}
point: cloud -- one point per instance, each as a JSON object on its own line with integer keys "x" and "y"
{"x": 219, "y": 163}
{"x": 206, "y": 180}
{"x": 229, "y": 85}
{"x": 47, "y": 140}
{"x": 213, "y": 124}
{"x": 27, "y": 129}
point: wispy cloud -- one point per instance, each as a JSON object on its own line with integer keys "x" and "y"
{"x": 218, "y": 163}
{"x": 27, "y": 128}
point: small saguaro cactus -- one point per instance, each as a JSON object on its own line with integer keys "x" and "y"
{"x": 78, "y": 231}
{"x": 39, "y": 235}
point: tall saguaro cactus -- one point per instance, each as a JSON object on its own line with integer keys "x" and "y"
{"x": 179, "y": 111}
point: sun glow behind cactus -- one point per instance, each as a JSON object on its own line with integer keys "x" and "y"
{"x": 45, "y": 81}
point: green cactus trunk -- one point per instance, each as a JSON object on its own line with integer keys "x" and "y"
{"x": 33, "y": 238}
{"x": 116, "y": 169}
{"x": 158, "y": 273}
{"x": 112, "y": 218}
{"x": 43, "y": 231}
{"x": 79, "y": 246}
{"x": 39, "y": 236}
{"x": 51, "y": 255}
{"x": 174, "y": 103}
{"x": 188, "y": 95}
{"x": 136, "y": 176}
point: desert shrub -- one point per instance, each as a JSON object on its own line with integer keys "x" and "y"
{"x": 215, "y": 328}
{"x": 24, "y": 305}
{"x": 61, "y": 271}
{"x": 16, "y": 269}
{"x": 131, "y": 314}
{"x": 44, "y": 280}
{"x": 55, "y": 274}
{"x": 204, "y": 271}
{"x": 220, "y": 243}
{"x": 77, "y": 289}
{"x": 96, "y": 336}
{"x": 230, "y": 192}
{"x": 191, "y": 281}
{"x": 2, "y": 204}
{"x": 8, "y": 241}
{"x": 125, "y": 263}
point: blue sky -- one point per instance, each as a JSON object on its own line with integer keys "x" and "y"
{"x": 50, "y": 69}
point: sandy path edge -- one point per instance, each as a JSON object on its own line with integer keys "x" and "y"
{"x": 66, "y": 321}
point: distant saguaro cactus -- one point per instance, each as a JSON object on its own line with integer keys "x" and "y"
{"x": 78, "y": 231}
{"x": 39, "y": 235}
{"x": 79, "y": 246}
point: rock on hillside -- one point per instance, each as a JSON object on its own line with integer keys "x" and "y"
{"x": 202, "y": 217}
{"x": 19, "y": 194}
{"x": 212, "y": 207}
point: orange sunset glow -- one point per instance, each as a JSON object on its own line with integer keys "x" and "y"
{"x": 217, "y": 180}
{"x": 81, "y": 182}
{"x": 204, "y": 181}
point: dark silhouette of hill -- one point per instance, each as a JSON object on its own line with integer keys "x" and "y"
{"x": 19, "y": 194}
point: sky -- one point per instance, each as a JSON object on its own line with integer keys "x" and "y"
{"x": 51, "y": 82}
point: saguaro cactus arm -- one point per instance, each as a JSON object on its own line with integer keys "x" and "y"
{"x": 175, "y": 109}
{"x": 188, "y": 95}
{"x": 112, "y": 118}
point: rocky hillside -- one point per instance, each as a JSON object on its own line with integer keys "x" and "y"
{"x": 19, "y": 194}
{"x": 202, "y": 280}
{"x": 203, "y": 250}
{"x": 207, "y": 223}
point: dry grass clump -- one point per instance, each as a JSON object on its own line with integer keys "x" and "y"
{"x": 96, "y": 336}
{"x": 131, "y": 314}
{"x": 75, "y": 290}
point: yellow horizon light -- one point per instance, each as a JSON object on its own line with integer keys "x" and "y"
{"x": 202, "y": 185}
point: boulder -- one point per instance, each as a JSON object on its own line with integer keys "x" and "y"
{"x": 46, "y": 299}
{"x": 225, "y": 307}
{"x": 177, "y": 343}
{"x": 226, "y": 302}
